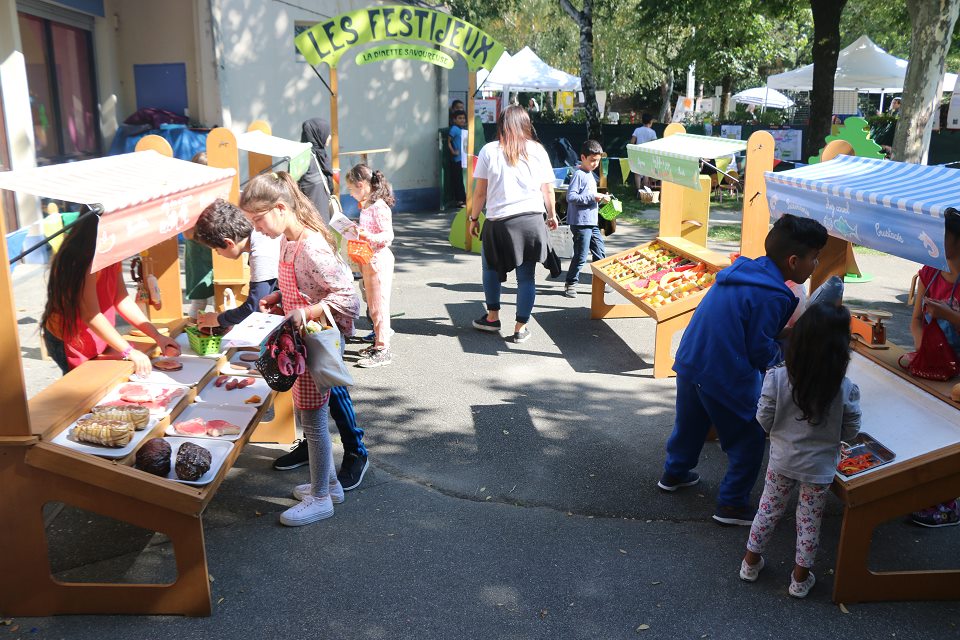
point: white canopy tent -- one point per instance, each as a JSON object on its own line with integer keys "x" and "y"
{"x": 525, "y": 71}
{"x": 862, "y": 66}
{"x": 763, "y": 97}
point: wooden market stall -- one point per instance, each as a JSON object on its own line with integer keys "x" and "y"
{"x": 895, "y": 208}
{"x": 146, "y": 200}
{"x": 680, "y": 246}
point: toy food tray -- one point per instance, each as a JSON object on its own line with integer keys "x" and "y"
{"x": 240, "y": 416}
{"x": 194, "y": 368}
{"x": 862, "y": 454}
{"x": 238, "y": 397}
{"x": 66, "y": 439}
{"x": 167, "y": 397}
{"x": 658, "y": 278}
{"x": 219, "y": 450}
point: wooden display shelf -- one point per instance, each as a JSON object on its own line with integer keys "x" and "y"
{"x": 894, "y": 490}
{"x": 45, "y": 472}
{"x": 671, "y": 317}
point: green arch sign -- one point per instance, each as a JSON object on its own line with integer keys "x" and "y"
{"x": 327, "y": 41}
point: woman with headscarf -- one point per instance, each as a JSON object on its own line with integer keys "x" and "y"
{"x": 317, "y": 132}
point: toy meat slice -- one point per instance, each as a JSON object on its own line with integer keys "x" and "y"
{"x": 192, "y": 461}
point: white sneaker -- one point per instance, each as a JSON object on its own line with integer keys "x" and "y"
{"x": 310, "y": 509}
{"x": 336, "y": 492}
{"x": 801, "y": 589}
{"x": 750, "y": 572}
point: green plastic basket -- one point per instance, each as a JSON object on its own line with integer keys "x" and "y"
{"x": 202, "y": 344}
{"x": 612, "y": 209}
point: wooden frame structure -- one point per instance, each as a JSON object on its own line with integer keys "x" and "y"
{"x": 34, "y": 472}
{"x": 684, "y": 217}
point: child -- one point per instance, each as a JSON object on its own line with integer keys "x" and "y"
{"x": 454, "y": 138}
{"x": 807, "y": 407}
{"x": 731, "y": 341}
{"x": 310, "y": 275}
{"x": 79, "y": 319}
{"x": 222, "y": 227}
{"x": 197, "y": 264}
{"x": 582, "y": 214}
{"x": 374, "y": 196}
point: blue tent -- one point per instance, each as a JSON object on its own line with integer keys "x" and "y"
{"x": 889, "y": 206}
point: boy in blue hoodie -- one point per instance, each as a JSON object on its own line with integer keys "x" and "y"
{"x": 731, "y": 341}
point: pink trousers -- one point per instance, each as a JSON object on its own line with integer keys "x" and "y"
{"x": 377, "y": 281}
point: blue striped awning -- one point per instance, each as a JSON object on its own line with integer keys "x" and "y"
{"x": 889, "y": 206}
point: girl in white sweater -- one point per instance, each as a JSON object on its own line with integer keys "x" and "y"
{"x": 807, "y": 407}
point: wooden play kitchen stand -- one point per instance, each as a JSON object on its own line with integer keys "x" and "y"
{"x": 912, "y": 417}
{"x": 684, "y": 213}
{"x": 162, "y": 196}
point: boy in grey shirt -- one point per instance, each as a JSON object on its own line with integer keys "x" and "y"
{"x": 582, "y": 214}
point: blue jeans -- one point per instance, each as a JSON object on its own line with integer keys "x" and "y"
{"x": 526, "y": 289}
{"x": 341, "y": 410}
{"x": 742, "y": 441}
{"x": 585, "y": 237}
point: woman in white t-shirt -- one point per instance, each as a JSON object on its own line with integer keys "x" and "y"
{"x": 515, "y": 182}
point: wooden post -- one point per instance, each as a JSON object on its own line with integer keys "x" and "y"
{"x": 257, "y": 162}
{"x": 163, "y": 259}
{"x": 836, "y": 259}
{"x": 334, "y": 134}
{"x": 671, "y": 198}
{"x": 222, "y": 152}
{"x": 13, "y": 396}
{"x": 756, "y": 212}
{"x": 471, "y": 89}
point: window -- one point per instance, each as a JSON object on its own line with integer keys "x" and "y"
{"x": 59, "y": 60}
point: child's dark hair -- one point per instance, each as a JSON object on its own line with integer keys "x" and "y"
{"x": 380, "y": 189}
{"x": 951, "y": 222}
{"x": 200, "y": 157}
{"x": 794, "y": 236}
{"x": 646, "y": 118}
{"x": 219, "y": 222}
{"x": 69, "y": 269}
{"x": 591, "y": 148}
{"x": 817, "y": 358}
{"x": 458, "y": 112}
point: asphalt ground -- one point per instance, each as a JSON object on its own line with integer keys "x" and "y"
{"x": 512, "y": 494}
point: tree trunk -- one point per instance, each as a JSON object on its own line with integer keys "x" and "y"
{"x": 584, "y": 20}
{"x": 826, "y": 47}
{"x": 666, "y": 94}
{"x": 933, "y": 22}
{"x": 727, "y": 84}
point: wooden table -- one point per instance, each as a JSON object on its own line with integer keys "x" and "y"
{"x": 40, "y": 472}
{"x": 918, "y": 422}
{"x": 363, "y": 153}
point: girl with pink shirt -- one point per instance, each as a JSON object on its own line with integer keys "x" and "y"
{"x": 375, "y": 197}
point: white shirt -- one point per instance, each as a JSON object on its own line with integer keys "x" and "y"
{"x": 264, "y": 257}
{"x": 644, "y": 134}
{"x": 513, "y": 190}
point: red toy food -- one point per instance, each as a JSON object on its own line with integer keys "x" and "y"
{"x": 220, "y": 380}
{"x": 232, "y": 384}
{"x": 192, "y": 427}
{"x": 168, "y": 364}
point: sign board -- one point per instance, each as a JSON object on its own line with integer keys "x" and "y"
{"x": 486, "y": 110}
{"x": 789, "y": 144}
{"x": 682, "y": 171}
{"x": 405, "y": 52}
{"x": 565, "y": 101}
{"x": 731, "y": 131}
{"x": 953, "y": 111}
{"x": 327, "y": 41}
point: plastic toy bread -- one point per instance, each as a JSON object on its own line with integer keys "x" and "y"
{"x": 109, "y": 433}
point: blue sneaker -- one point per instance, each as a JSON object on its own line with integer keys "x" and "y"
{"x": 671, "y": 483}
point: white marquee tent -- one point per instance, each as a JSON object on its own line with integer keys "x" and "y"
{"x": 862, "y": 66}
{"x": 525, "y": 71}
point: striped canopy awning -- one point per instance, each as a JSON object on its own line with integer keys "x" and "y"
{"x": 676, "y": 158}
{"x": 146, "y": 197}
{"x": 890, "y": 206}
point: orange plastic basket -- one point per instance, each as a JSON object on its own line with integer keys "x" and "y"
{"x": 359, "y": 251}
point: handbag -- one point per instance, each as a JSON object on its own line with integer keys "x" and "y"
{"x": 552, "y": 263}
{"x": 283, "y": 358}
{"x": 333, "y": 204}
{"x": 325, "y": 354}
{"x": 935, "y": 359}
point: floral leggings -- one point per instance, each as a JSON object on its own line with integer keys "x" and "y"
{"x": 773, "y": 503}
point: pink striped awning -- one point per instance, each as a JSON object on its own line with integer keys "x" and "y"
{"x": 146, "y": 197}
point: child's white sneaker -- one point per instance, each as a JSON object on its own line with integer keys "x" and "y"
{"x": 750, "y": 572}
{"x": 336, "y": 492}
{"x": 310, "y": 509}
{"x": 801, "y": 589}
